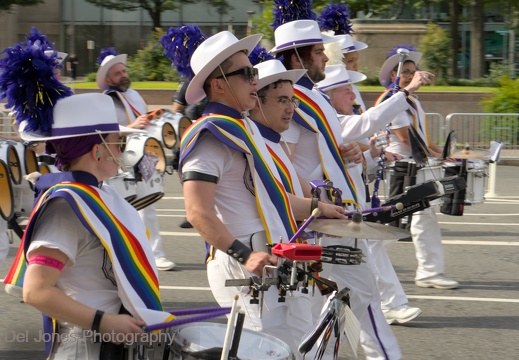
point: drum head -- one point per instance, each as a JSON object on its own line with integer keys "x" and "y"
{"x": 183, "y": 124}
{"x": 197, "y": 337}
{"x": 6, "y": 191}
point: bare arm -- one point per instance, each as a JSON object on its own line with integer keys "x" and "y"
{"x": 40, "y": 291}
{"x": 199, "y": 203}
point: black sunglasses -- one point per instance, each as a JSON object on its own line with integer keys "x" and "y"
{"x": 249, "y": 73}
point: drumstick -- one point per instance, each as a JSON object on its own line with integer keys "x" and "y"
{"x": 299, "y": 231}
{"x": 233, "y": 353}
{"x": 230, "y": 327}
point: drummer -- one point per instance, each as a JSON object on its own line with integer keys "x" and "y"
{"x": 338, "y": 86}
{"x": 229, "y": 179}
{"x": 425, "y": 230}
{"x": 315, "y": 154}
{"x": 112, "y": 77}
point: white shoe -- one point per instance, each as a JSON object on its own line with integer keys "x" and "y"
{"x": 14, "y": 290}
{"x": 437, "y": 282}
{"x": 401, "y": 314}
{"x": 164, "y": 264}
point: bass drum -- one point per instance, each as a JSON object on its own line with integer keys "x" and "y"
{"x": 9, "y": 155}
{"x": 137, "y": 146}
{"x": 205, "y": 341}
{"x": 6, "y": 193}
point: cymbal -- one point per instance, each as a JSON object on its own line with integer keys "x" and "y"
{"x": 469, "y": 154}
{"x": 362, "y": 230}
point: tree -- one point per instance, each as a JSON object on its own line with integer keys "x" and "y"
{"x": 155, "y": 8}
{"x": 6, "y": 4}
{"x": 435, "y": 47}
{"x": 477, "y": 39}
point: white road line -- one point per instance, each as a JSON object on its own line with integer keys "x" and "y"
{"x": 167, "y": 287}
{"x": 178, "y": 233}
{"x": 174, "y": 210}
{"x": 179, "y": 216}
{"x": 480, "y": 223}
{"x": 484, "y": 243}
{"x": 462, "y": 298}
{"x": 172, "y": 198}
{"x": 495, "y": 214}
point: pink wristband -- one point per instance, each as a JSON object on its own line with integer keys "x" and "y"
{"x": 47, "y": 261}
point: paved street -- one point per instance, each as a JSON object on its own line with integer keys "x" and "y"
{"x": 480, "y": 320}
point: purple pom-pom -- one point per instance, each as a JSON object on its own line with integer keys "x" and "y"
{"x": 258, "y": 55}
{"x": 29, "y": 83}
{"x": 104, "y": 53}
{"x": 335, "y": 17}
{"x": 401, "y": 46}
{"x": 290, "y": 10}
{"x": 179, "y": 44}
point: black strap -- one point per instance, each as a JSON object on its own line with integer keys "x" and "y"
{"x": 195, "y": 175}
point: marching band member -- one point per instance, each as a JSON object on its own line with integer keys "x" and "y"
{"x": 233, "y": 192}
{"x": 112, "y": 77}
{"x": 338, "y": 86}
{"x": 315, "y": 143}
{"x": 425, "y": 230}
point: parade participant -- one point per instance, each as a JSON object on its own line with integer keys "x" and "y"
{"x": 80, "y": 234}
{"x": 425, "y": 230}
{"x": 314, "y": 139}
{"x": 338, "y": 86}
{"x": 233, "y": 192}
{"x": 112, "y": 77}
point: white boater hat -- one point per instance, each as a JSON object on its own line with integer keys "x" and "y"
{"x": 211, "y": 53}
{"x": 344, "y": 44}
{"x": 298, "y": 33}
{"x": 271, "y": 71}
{"x": 79, "y": 115}
{"x": 337, "y": 76}
{"x": 384, "y": 76}
{"x": 105, "y": 66}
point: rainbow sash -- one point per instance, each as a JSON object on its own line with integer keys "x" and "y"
{"x": 311, "y": 114}
{"x": 271, "y": 198}
{"x": 416, "y": 112}
{"x": 137, "y": 280}
{"x": 133, "y": 103}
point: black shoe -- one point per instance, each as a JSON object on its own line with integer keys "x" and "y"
{"x": 186, "y": 224}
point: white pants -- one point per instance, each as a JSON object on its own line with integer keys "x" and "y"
{"x": 427, "y": 239}
{"x": 150, "y": 220}
{"x": 391, "y": 292}
{"x": 4, "y": 241}
{"x": 377, "y": 339}
{"x": 288, "y": 321}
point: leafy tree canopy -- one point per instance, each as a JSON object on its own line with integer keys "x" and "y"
{"x": 6, "y": 4}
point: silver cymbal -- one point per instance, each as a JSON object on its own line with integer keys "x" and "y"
{"x": 362, "y": 230}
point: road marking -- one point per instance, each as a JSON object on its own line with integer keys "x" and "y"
{"x": 172, "y": 198}
{"x": 495, "y": 214}
{"x": 178, "y": 216}
{"x": 167, "y": 287}
{"x": 462, "y": 298}
{"x": 484, "y": 243}
{"x": 178, "y": 233}
{"x": 480, "y": 223}
{"x": 174, "y": 210}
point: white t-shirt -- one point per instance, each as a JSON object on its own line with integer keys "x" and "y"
{"x": 235, "y": 204}
{"x": 87, "y": 276}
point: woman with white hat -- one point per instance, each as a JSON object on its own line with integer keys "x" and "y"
{"x": 77, "y": 259}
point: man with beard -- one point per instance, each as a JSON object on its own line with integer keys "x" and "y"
{"x": 112, "y": 77}
{"x": 317, "y": 151}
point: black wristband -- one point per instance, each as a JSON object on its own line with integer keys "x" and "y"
{"x": 239, "y": 251}
{"x": 405, "y": 92}
{"x": 97, "y": 320}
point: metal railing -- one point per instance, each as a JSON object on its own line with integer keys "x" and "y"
{"x": 6, "y": 128}
{"x": 479, "y": 129}
{"x": 436, "y": 128}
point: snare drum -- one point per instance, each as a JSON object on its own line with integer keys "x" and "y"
{"x": 180, "y": 123}
{"x": 148, "y": 192}
{"x": 476, "y": 174}
{"x": 432, "y": 171}
{"x": 192, "y": 339}
{"x": 139, "y": 144}
{"x": 6, "y": 191}
{"x": 125, "y": 185}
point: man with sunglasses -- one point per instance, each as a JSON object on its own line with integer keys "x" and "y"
{"x": 112, "y": 77}
{"x": 317, "y": 150}
{"x": 233, "y": 192}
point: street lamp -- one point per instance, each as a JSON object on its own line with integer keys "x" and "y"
{"x": 249, "y": 21}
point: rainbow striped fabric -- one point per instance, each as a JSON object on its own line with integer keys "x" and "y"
{"x": 271, "y": 198}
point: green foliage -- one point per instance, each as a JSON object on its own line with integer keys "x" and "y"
{"x": 435, "y": 48}
{"x": 149, "y": 64}
{"x": 6, "y": 4}
{"x": 505, "y": 100}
